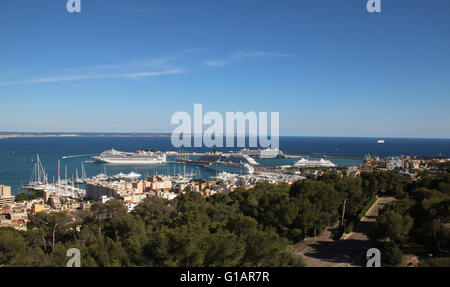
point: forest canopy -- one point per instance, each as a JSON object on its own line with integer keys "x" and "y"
{"x": 248, "y": 227}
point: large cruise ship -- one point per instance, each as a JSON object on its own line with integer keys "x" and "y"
{"x": 234, "y": 157}
{"x": 314, "y": 163}
{"x": 231, "y": 167}
{"x": 139, "y": 157}
{"x": 264, "y": 153}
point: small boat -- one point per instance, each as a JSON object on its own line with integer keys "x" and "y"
{"x": 380, "y": 141}
{"x": 120, "y": 175}
{"x": 131, "y": 175}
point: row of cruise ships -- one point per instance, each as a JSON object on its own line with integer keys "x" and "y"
{"x": 240, "y": 163}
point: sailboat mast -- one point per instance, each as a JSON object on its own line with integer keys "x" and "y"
{"x": 59, "y": 176}
{"x": 38, "y": 169}
{"x": 83, "y": 172}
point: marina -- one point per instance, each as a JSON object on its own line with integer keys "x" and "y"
{"x": 39, "y": 182}
{"x": 215, "y": 162}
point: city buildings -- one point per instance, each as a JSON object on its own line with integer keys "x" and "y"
{"x": 5, "y": 196}
{"x": 132, "y": 193}
{"x": 410, "y": 166}
{"x": 394, "y": 162}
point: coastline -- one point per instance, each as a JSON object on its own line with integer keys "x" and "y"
{"x": 34, "y": 136}
{"x": 323, "y": 156}
{"x": 4, "y": 134}
{"x": 439, "y": 147}
{"x": 38, "y": 135}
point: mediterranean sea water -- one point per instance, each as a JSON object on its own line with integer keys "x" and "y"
{"x": 18, "y": 155}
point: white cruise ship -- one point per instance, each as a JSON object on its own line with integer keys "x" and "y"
{"x": 314, "y": 163}
{"x": 233, "y": 157}
{"x": 264, "y": 153}
{"x": 139, "y": 157}
{"x": 231, "y": 167}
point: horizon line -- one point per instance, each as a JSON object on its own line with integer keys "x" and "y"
{"x": 67, "y": 133}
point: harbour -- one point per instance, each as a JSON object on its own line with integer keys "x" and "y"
{"x": 17, "y": 166}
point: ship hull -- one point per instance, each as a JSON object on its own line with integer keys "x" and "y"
{"x": 142, "y": 157}
{"x": 129, "y": 162}
{"x": 231, "y": 169}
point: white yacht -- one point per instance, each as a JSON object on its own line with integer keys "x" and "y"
{"x": 314, "y": 163}
{"x": 231, "y": 167}
{"x": 132, "y": 175}
{"x": 139, "y": 157}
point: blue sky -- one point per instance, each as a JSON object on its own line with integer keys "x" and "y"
{"x": 328, "y": 67}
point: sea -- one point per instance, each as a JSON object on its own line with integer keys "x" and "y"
{"x": 18, "y": 154}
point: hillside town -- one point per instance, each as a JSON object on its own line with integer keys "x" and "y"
{"x": 14, "y": 213}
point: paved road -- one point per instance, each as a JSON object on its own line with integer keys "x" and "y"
{"x": 326, "y": 252}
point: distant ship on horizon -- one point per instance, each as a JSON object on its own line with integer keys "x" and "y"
{"x": 380, "y": 141}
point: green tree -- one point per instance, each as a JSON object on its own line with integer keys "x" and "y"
{"x": 392, "y": 225}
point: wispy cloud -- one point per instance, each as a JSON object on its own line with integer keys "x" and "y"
{"x": 94, "y": 68}
{"x": 244, "y": 55}
{"x": 216, "y": 63}
{"x": 195, "y": 50}
{"x": 240, "y": 55}
{"x": 155, "y": 62}
{"x": 128, "y": 70}
{"x": 92, "y": 77}
{"x": 139, "y": 69}
{"x": 145, "y": 10}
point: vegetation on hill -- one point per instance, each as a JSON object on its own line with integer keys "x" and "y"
{"x": 27, "y": 196}
{"x": 253, "y": 227}
{"x": 421, "y": 215}
{"x": 191, "y": 231}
